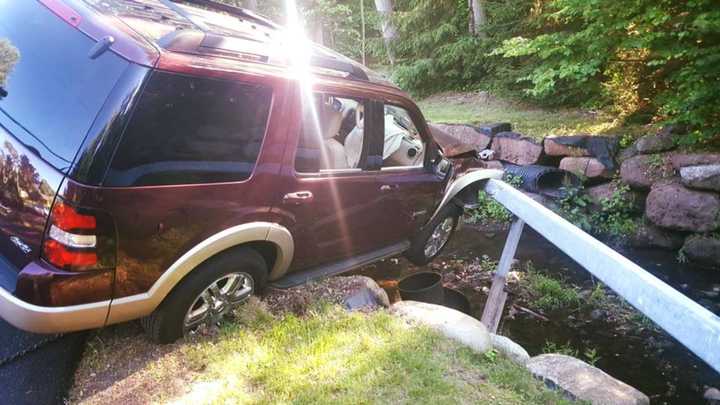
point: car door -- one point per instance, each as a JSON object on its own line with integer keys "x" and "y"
{"x": 410, "y": 188}
{"x": 328, "y": 192}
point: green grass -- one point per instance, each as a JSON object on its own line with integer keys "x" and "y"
{"x": 530, "y": 121}
{"x": 549, "y": 294}
{"x": 331, "y": 356}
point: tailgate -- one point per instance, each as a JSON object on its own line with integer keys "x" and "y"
{"x": 52, "y": 88}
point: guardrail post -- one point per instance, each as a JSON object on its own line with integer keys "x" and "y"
{"x": 492, "y": 313}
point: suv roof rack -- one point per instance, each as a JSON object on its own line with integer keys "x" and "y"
{"x": 232, "y": 10}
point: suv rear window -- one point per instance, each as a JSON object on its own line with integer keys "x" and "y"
{"x": 192, "y": 130}
{"x": 54, "y": 90}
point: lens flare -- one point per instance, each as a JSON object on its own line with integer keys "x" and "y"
{"x": 299, "y": 49}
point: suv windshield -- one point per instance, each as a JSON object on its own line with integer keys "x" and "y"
{"x": 54, "y": 90}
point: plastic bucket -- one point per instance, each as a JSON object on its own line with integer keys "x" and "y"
{"x": 456, "y": 300}
{"x": 423, "y": 287}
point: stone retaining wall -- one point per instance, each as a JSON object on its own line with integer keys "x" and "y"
{"x": 676, "y": 194}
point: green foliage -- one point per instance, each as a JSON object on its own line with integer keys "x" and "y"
{"x": 573, "y": 207}
{"x": 592, "y": 356}
{"x": 613, "y": 219}
{"x": 655, "y": 58}
{"x": 489, "y": 209}
{"x": 436, "y": 52}
{"x": 549, "y": 294}
{"x": 566, "y": 348}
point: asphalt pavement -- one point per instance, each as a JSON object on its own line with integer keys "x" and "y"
{"x": 37, "y": 369}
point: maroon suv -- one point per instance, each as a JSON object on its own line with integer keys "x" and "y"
{"x": 164, "y": 161}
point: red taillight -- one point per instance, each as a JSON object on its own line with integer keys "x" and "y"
{"x": 66, "y": 218}
{"x": 78, "y": 240}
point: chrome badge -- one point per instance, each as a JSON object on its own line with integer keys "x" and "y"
{"x": 20, "y": 244}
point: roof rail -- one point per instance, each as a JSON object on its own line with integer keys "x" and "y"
{"x": 172, "y": 6}
{"x": 232, "y": 10}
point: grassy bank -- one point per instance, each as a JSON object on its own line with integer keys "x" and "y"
{"x": 470, "y": 108}
{"x": 325, "y": 356}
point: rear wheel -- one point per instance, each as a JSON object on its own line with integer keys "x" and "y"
{"x": 430, "y": 241}
{"x": 207, "y": 295}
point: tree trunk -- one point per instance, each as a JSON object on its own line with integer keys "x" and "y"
{"x": 251, "y": 5}
{"x": 478, "y": 18}
{"x": 385, "y": 9}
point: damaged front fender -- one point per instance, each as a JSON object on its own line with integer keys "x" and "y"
{"x": 465, "y": 187}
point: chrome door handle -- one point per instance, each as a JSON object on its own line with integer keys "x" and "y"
{"x": 389, "y": 187}
{"x": 298, "y": 197}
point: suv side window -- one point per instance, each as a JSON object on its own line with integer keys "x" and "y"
{"x": 189, "y": 130}
{"x": 403, "y": 145}
{"x": 332, "y": 135}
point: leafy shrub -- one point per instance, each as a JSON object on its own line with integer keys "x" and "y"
{"x": 666, "y": 52}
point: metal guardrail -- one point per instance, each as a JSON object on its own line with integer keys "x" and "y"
{"x": 694, "y": 326}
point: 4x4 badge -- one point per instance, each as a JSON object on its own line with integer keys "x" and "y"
{"x": 20, "y": 244}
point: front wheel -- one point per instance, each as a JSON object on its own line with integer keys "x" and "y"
{"x": 209, "y": 293}
{"x": 430, "y": 241}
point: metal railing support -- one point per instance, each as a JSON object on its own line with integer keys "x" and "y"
{"x": 694, "y": 326}
{"x": 492, "y": 313}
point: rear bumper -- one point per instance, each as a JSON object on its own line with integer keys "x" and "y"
{"x": 38, "y": 319}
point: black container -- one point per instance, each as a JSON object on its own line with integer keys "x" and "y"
{"x": 423, "y": 287}
{"x": 456, "y": 300}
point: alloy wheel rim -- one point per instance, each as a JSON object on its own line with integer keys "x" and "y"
{"x": 219, "y": 298}
{"x": 439, "y": 237}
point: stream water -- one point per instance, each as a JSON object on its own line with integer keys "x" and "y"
{"x": 641, "y": 356}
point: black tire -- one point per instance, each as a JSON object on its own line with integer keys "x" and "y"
{"x": 166, "y": 323}
{"x": 416, "y": 253}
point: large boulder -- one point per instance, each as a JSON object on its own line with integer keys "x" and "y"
{"x": 642, "y": 171}
{"x": 671, "y": 205}
{"x": 680, "y": 160}
{"x": 702, "y": 249}
{"x": 584, "y": 382}
{"x": 451, "y": 323}
{"x": 466, "y": 135}
{"x": 515, "y": 148}
{"x": 554, "y": 146}
{"x": 663, "y": 141}
{"x": 587, "y": 167}
{"x": 510, "y": 349}
{"x": 650, "y": 236}
{"x": 606, "y": 191}
{"x": 706, "y": 177}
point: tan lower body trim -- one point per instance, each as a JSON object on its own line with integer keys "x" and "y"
{"x": 37, "y": 319}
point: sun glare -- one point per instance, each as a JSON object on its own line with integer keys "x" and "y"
{"x": 299, "y": 50}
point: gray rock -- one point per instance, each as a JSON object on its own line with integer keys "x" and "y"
{"x": 584, "y": 382}
{"x": 642, "y": 171}
{"x": 510, "y": 349}
{"x": 627, "y": 153}
{"x": 680, "y": 160}
{"x": 650, "y": 236}
{"x": 453, "y": 324}
{"x": 370, "y": 295}
{"x": 671, "y": 205}
{"x": 514, "y": 148}
{"x": 378, "y": 292}
{"x": 663, "y": 141}
{"x": 606, "y": 191}
{"x": 555, "y": 148}
{"x": 587, "y": 167}
{"x": 712, "y": 395}
{"x": 705, "y": 177}
{"x": 702, "y": 249}
{"x": 466, "y": 134}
